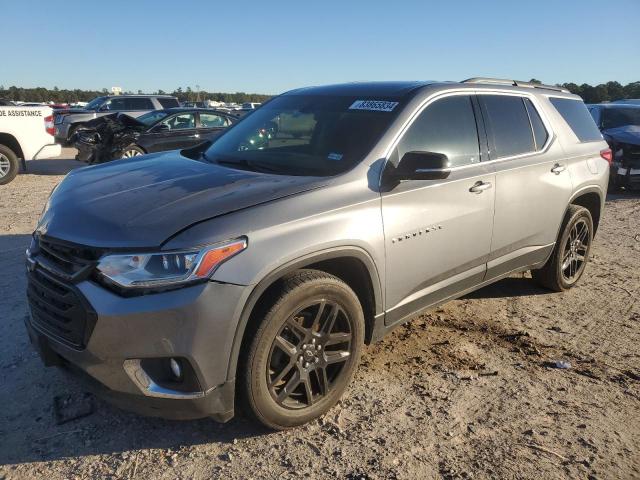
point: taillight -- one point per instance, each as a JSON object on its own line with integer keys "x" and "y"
{"x": 607, "y": 154}
{"x": 48, "y": 125}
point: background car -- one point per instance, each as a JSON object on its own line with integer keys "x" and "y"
{"x": 620, "y": 126}
{"x": 68, "y": 121}
{"x": 6, "y": 103}
{"x": 121, "y": 136}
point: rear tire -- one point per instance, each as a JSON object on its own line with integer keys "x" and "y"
{"x": 570, "y": 254}
{"x": 9, "y": 165}
{"x": 305, "y": 351}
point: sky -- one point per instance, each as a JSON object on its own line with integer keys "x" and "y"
{"x": 270, "y": 47}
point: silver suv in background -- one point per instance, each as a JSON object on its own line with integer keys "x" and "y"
{"x": 253, "y": 269}
{"x": 67, "y": 121}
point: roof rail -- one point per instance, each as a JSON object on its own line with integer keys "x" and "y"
{"x": 514, "y": 83}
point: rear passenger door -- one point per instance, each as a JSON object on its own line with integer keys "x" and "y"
{"x": 211, "y": 125}
{"x": 533, "y": 185}
{"x": 438, "y": 232}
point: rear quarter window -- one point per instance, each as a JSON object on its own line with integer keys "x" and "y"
{"x": 168, "y": 102}
{"x": 575, "y": 113}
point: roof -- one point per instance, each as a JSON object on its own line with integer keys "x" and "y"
{"x": 369, "y": 89}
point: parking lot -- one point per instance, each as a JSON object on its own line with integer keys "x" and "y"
{"x": 469, "y": 390}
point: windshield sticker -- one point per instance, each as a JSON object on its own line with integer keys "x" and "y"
{"x": 334, "y": 156}
{"x": 375, "y": 105}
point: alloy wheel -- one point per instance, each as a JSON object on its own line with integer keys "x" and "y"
{"x": 575, "y": 251}
{"x": 131, "y": 153}
{"x": 5, "y": 165}
{"x": 309, "y": 354}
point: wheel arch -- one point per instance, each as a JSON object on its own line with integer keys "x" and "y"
{"x": 591, "y": 198}
{"x": 12, "y": 143}
{"x": 353, "y": 265}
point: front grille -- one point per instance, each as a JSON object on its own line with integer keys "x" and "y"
{"x": 68, "y": 261}
{"x": 59, "y": 310}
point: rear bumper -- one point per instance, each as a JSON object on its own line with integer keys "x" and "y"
{"x": 196, "y": 324}
{"x": 62, "y": 132}
{"x": 48, "y": 151}
{"x": 626, "y": 175}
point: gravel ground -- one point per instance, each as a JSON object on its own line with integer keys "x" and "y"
{"x": 464, "y": 391}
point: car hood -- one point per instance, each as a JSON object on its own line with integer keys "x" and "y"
{"x": 626, "y": 134}
{"x": 141, "y": 203}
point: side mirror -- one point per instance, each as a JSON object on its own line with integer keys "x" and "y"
{"x": 422, "y": 166}
{"x": 103, "y": 108}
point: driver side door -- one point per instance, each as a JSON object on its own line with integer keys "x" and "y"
{"x": 438, "y": 232}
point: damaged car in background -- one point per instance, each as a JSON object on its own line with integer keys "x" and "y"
{"x": 118, "y": 135}
{"x": 620, "y": 126}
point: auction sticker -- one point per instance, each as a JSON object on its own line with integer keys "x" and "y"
{"x": 375, "y": 105}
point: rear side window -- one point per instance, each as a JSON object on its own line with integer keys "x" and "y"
{"x": 211, "y": 120}
{"x": 575, "y": 113}
{"x": 138, "y": 104}
{"x": 509, "y": 127}
{"x": 540, "y": 134}
{"x": 447, "y": 126}
{"x": 168, "y": 102}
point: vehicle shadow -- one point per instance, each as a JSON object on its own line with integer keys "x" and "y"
{"x": 28, "y": 391}
{"x": 52, "y": 166}
{"x": 509, "y": 287}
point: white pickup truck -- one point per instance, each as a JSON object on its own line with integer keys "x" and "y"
{"x": 26, "y": 133}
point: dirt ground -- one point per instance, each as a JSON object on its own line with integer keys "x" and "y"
{"x": 465, "y": 391}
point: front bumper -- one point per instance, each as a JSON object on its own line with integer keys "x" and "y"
{"x": 196, "y": 323}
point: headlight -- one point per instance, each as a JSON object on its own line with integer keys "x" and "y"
{"x": 161, "y": 269}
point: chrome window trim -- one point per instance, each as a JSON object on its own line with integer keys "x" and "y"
{"x": 439, "y": 95}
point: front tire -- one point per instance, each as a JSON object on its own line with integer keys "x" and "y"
{"x": 9, "y": 165}
{"x": 304, "y": 352}
{"x": 132, "y": 151}
{"x": 571, "y": 252}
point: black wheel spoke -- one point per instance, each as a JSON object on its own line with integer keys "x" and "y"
{"x": 337, "y": 338}
{"x": 315, "y": 327}
{"x": 296, "y": 328}
{"x": 291, "y": 385}
{"x": 285, "y": 345}
{"x": 282, "y": 374}
{"x": 336, "y": 357}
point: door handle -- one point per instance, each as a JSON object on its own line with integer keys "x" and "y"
{"x": 480, "y": 187}
{"x": 195, "y": 135}
{"x": 557, "y": 168}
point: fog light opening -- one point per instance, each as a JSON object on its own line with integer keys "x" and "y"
{"x": 176, "y": 369}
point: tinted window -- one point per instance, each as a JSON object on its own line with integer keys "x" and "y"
{"x": 182, "y": 121}
{"x": 575, "y": 113}
{"x": 620, "y": 117}
{"x": 116, "y": 104}
{"x": 168, "y": 102}
{"x": 447, "y": 126}
{"x": 540, "y": 133}
{"x": 509, "y": 126}
{"x": 138, "y": 104}
{"x": 211, "y": 120}
{"x": 305, "y": 135}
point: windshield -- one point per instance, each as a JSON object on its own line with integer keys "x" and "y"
{"x": 95, "y": 103}
{"x": 152, "y": 117}
{"x": 305, "y": 134}
{"x": 619, "y": 117}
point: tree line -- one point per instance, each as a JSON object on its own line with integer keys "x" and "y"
{"x": 57, "y": 95}
{"x": 603, "y": 92}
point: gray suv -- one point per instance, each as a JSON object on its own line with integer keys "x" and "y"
{"x": 66, "y": 122}
{"x": 252, "y": 270}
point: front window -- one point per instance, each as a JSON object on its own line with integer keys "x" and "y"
{"x": 306, "y": 134}
{"x": 619, "y": 117}
{"x": 95, "y": 103}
